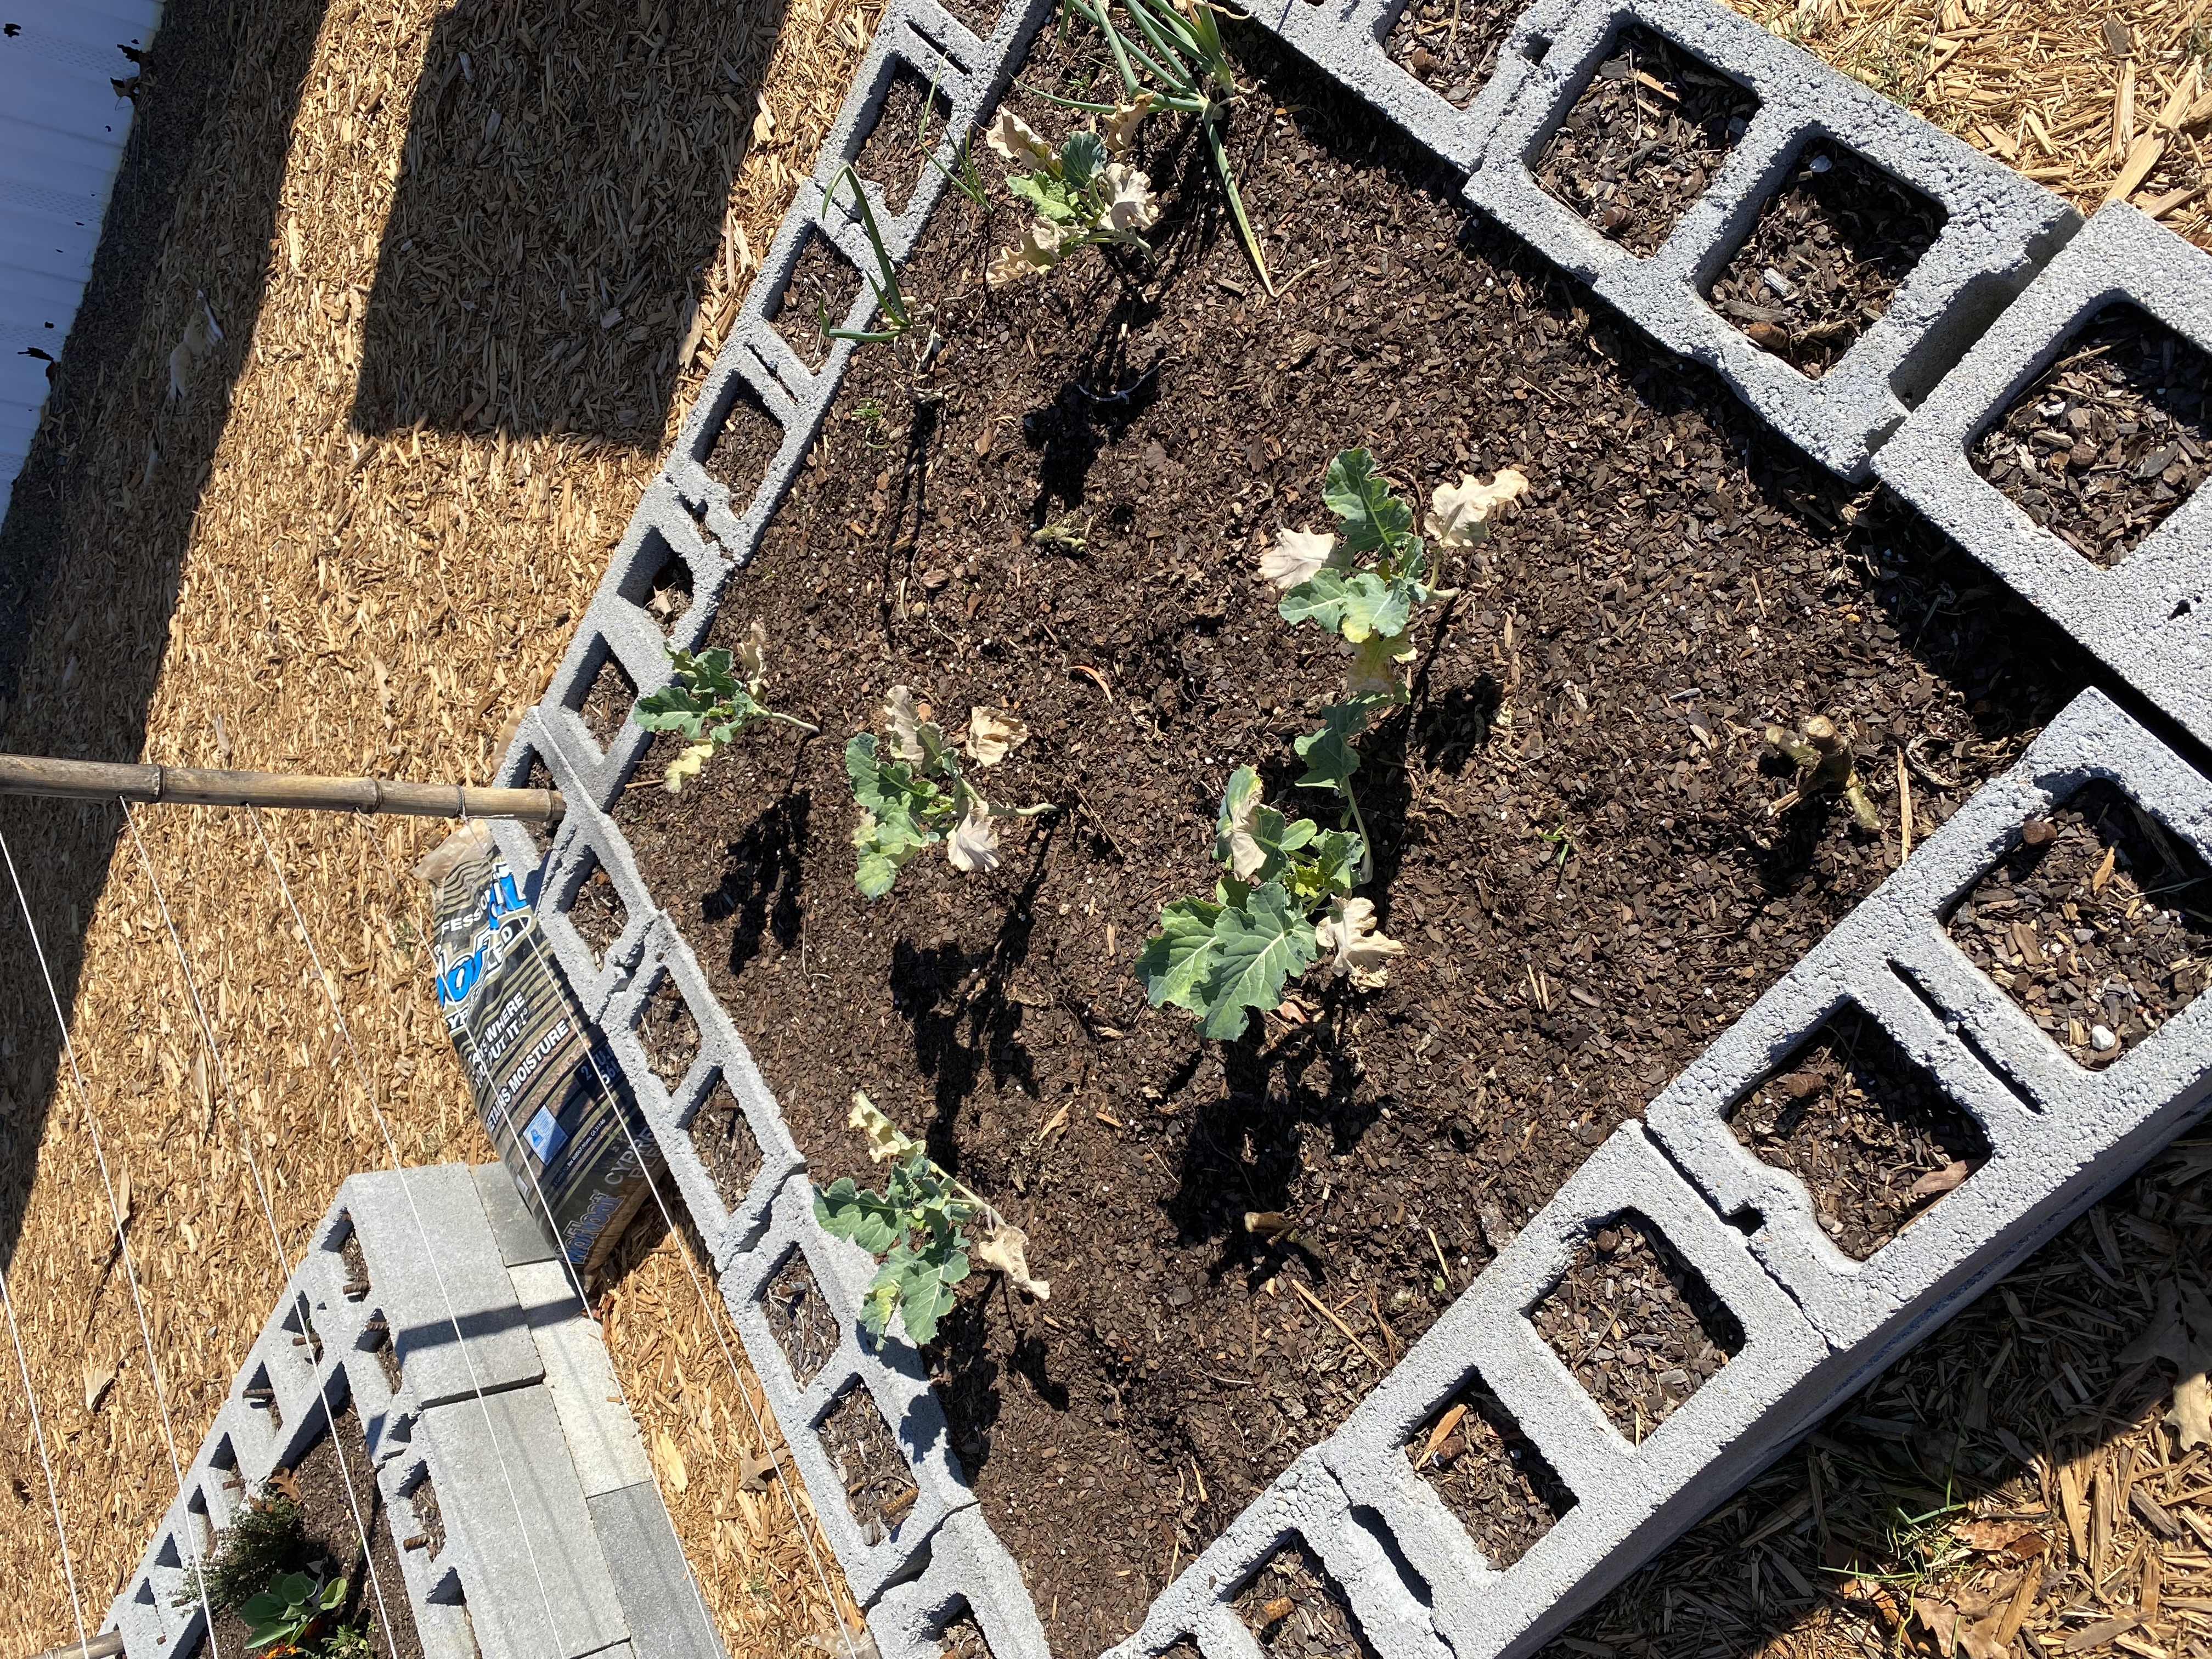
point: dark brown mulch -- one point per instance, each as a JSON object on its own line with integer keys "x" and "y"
{"x": 1631, "y": 156}
{"x": 356, "y": 1266}
{"x": 725, "y": 1143}
{"x": 980, "y": 15}
{"x": 386, "y": 1352}
{"x": 1637, "y": 1324}
{"x": 1826, "y": 253}
{"x": 668, "y": 1033}
{"x": 1852, "y": 1117}
{"x": 427, "y": 1516}
{"x": 1490, "y": 1474}
{"x": 1451, "y": 47}
{"x": 824, "y": 282}
{"x": 2105, "y": 925}
{"x": 800, "y": 1318}
{"x": 896, "y": 155}
{"x": 1298, "y": 1612}
{"x": 1573, "y": 830}
{"x": 879, "y": 1487}
{"x": 597, "y": 912}
{"x": 671, "y": 593}
{"x": 2110, "y": 439}
{"x": 962, "y": 1638}
{"x": 606, "y": 706}
{"x": 743, "y": 449}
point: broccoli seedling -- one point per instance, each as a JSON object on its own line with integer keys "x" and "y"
{"x": 1826, "y": 766}
{"x": 914, "y": 1228}
{"x": 921, "y": 795}
{"x": 709, "y": 704}
{"x": 1081, "y": 198}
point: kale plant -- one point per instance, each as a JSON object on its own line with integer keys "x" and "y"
{"x": 286, "y": 1610}
{"x": 1081, "y": 198}
{"x": 919, "y": 794}
{"x": 709, "y": 704}
{"x": 914, "y": 1229}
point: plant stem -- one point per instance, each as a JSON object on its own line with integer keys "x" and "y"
{"x": 793, "y": 720}
{"x": 1219, "y": 150}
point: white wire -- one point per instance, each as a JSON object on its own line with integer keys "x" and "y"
{"x": 122, "y": 1244}
{"x": 392, "y": 1151}
{"x": 737, "y": 1378}
{"x": 269, "y": 1214}
{"x": 39, "y": 1433}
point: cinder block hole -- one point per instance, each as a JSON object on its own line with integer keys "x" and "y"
{"x": 428, "y": 1531}
{"x": 1826, "y": 254}
{"x": 659, "y": 581}
{"x": 727, "y": 1144}
{"x": 879, "y": 1487}
{"x": 800, "y": 1318}
{"x": 224, "y": 1461}
{"x": 201, "y": 1521}
{"x": 535, "y": 776}
{"x": 447, "y": 1592}
{"x": 748, "y": 441}
{"x": 169, "y": 1555}
{"x": 1451, "y": 51}
{"x": 346, "y": 1241}
{"x": 1644, "y": 139}
{"x": 667, "y": 1032}
{"x": 2110, "y": 439}
{"x": 960, "y": 1638}
{"x": 376, "y": 1339}
{"x": 306, "y": 1342}
{"x": 607, "y": 692}
{"x": 894, "y": 154}
{"x": 1637, "y": 1324}
{"x": 1876, "y": 1139}
{"x": 261, "y": 1394}
{"x": 823, "y": 283}
{"x": 2098, "y": 923}
{"x": 596, "y": 909}
{"x": 1294, "y": 1609}
{"x": 1474, "y": 1455}
{"x": 980, "y": 20}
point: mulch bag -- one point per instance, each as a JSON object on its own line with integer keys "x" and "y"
{"x": 547, "y": 1090}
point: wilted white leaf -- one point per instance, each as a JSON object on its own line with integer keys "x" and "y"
{"x": 902, "y": 717}
{"x": 2192, "y": 1411}
{"x": 1936, "y": 1182}
{"x": 1347, "y": 934}
{"x": 886, "y": 1141}
{"x": 1015, "y": 139}
{"x": 1130, "y": 204}
{"x": 1120, "y": 127}
{"x": 1038, "y": 249}
{"x": 974, "y": 844}
{"x": 752, "y": 653}
{"x": 992, "y": 733}
{"x": 1458, "y": 515}
{"x": 1371, "y": 673}
{"x": 200, "y": 337}
{"x": 1008, "y": 265}
{"x": 1297, "y": 556}
{"x": 1007, "y": 1249}
{"x": 1246, "y": 856}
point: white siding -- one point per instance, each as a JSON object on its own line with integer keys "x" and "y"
{"x": 62, "y": 129}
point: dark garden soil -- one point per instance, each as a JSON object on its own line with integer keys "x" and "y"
{"x": 1828, "y": 251}
{"x": 746, "y": 444}
{"x": 2110, "y": 439}
{"x": 1873, "y": 1138}
{"x": 1490, "y": 1474}
{"x": 2100, "y": 929}
{"x": 822, "y": 282}
{"x": 1573, "y": 820}
{"x": 1637, "y": 1325}
{"x": 1298, "y": 1612}
{"x": 607, "y": 704}
{"x": 878, "y": 1486}
{"x": 799, "y": 1319}
{"x": 911, "y": 124}
{"x": 597, "y": 912}
{"x": 1450, "y": 46}
{"x": 332, "y": 1535}
{"x": 1644, "y": 139}
{"x": 668, "y": 1033}
{"x": 726, "y": 1142}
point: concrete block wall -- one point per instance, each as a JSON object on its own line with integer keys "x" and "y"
{"x": 557, "y": 1543}
{"x": 1816, "y": 1323}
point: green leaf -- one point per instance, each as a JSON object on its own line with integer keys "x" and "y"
{"x": 896, "y": 809}
{"x": 1177, "y": 960}
{"x": 1353, "y": 603}
{"x": 921, "y": 1286}
{"x": 1255, "y": 949}
{"x": 1375, "y": 519}
{"x": 1330, "y": 757}
{"x": 845, "y": 1210}
{"x": 1081, "y": 158}
{"x": 1048, "y": 195}
{"x": 1327, "y": 873}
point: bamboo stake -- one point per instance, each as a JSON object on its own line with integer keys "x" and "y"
{"x": 27, "y": 775}
{"x": 105, "y": 1646}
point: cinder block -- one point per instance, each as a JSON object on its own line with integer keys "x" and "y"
{"x": 661, "y": 1604}
{"x": 435, "y": 1269}
{"x": 2000, "y": 228}
{"x": 621, "y": 633}
{"x": 2062, "y": 1137}
{"x": 520, "y": 1230}
{"x": 968, "y": 1571}
{"x": 604, "y": 1441}
{"x": 588, "y": 841}
{"x": 2150, "y": 618}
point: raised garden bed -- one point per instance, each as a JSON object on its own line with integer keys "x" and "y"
{"x": 1574, "y": 818}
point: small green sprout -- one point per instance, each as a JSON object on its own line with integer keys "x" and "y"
{"x": 914, "y": 1228}
{"x": 284, "y": 1611}
{"x": 919, "y": 795}
{"x": 707, "y": 703}
{"x": 1081, "y": 198}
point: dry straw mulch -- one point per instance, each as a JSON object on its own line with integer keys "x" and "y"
{"x": 292, "y": 569}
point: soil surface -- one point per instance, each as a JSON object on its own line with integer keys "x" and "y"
{"x": 744, "y": 447}
{"x": 964, "y": 1639}
{"x": 607, "y": 704}
{"x": 879, "y": 1487}
{"x": 1450, "y": 46}
{"x": 1490, "y": 1474}
{"x": 1828, "y": 251}
{"x": 823, "y": 285}
{"x": 895, "y": 153}
{"x": 2100, "y": 929}
{"x": 1644, "y": 139}
{"x": 2110, "y": 439}
{"x": 725, "y": 1143}
{"x": 1637, "y": 1324}
{"x": 597, "y": 912}
{"x": 1573, "y": 822}
{"x": 799, "y": 1319}
{"x": 1298, "y": 1612}
{"x": 668, "y": 1033}
{"x": 1869, "y": 1132}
